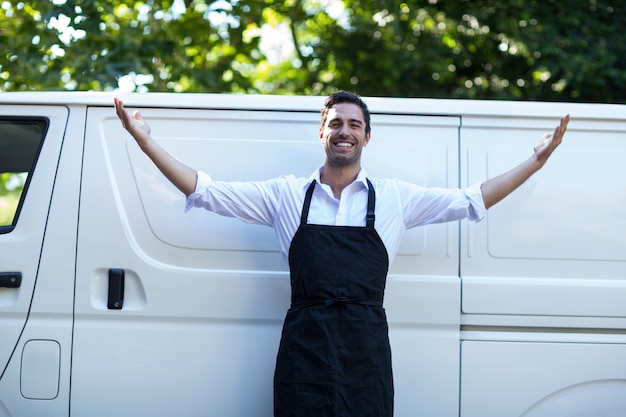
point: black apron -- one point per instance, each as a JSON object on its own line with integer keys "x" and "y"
{"x": 334, "y": 358}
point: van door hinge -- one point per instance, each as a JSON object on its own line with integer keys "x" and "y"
{"x": 116, "y": 289}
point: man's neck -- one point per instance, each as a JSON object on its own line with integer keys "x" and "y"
{"x": 338, "y": 177}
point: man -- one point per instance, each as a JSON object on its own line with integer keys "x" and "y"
{"x": 339, "y": 231}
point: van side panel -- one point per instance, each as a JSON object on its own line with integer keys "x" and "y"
{"x": 205, "y": 296}
{"x": 544, "y": 276}
{"x": 559, "y": 237}
{"x": 522, "y": 314}
{"x": 543, "y": 379}
{"x": 36, "y": 317}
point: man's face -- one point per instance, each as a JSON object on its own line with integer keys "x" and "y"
{"x": 343, "y": 135}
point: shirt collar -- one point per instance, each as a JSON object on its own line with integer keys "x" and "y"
{"x": 316, "y": 175}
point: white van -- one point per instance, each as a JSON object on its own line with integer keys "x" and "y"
{"x": 114, "y": 302}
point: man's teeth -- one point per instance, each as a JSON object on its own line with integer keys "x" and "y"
{"x": 344, "y": 145}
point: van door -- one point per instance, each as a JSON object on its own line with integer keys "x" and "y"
{"x": 181, "y": 314}
{"x": 30, "y": 143}
{"x": 544, "y": 276}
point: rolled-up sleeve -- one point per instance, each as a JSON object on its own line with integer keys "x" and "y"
{"x": 426, "y": 205}
{"x": 477, "y": 204}
{"x": 252, "y": 202}
{"x": 195, "y": 199}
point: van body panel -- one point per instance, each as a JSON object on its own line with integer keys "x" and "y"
{"x": 48, "y": 223}
{"x": 21, "y": 247}
{"x": 520, "y": 314}
{"x": 205, "y": 296}
{"x": 556, "y": 246}
{"x": 546, "y": 379}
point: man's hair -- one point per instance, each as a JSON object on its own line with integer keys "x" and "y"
{"x": 346, "y": 97}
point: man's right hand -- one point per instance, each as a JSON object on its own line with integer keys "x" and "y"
{"x": 135, "y": 125}
{"x": 179, "y": 174}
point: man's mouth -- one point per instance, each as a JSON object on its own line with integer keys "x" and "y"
{"x": 344, "y": 145}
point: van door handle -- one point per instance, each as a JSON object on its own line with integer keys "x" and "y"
{"x": 116, "y": 289}
{"x": 10, "y": 279}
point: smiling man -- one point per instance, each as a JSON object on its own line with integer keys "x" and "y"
{"x": 345, "y": 131}
{"x": 338, "y": 230}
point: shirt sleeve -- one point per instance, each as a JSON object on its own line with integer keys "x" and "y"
{"x": 426, "y": 205}
{"x": 253, "y": 202}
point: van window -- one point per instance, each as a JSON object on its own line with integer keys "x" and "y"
{"x": 20, "y": 142}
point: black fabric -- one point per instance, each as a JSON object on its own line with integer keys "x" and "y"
{"x": 334, "y": 358}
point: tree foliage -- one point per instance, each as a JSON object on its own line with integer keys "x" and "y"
{"x": 11, "y": 186}
{"x": 549, "y": 50}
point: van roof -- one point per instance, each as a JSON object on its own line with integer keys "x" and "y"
{"x": 377, "y": 105}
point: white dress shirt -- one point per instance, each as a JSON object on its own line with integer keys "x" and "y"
{"x": 278, "y": 203}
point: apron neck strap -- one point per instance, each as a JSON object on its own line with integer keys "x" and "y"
{"x": 307, "y": 203}
{"x": 371, "y": 204}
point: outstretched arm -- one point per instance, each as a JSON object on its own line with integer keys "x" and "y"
{"x": 497, "y": 188}
{"x": 181, "y": 175}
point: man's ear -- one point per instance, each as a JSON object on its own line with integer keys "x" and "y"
{"x": 367, "y": 138}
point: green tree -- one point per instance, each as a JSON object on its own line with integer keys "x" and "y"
{"x": 506, "y": 49}
{"x": 89, "y": 44}
{"x": 515, "y": 49}
{"x": 11, "y": 186}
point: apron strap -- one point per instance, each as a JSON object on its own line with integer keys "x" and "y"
{"x": 371, "y": 204}
{"x": 307, "y": 203}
